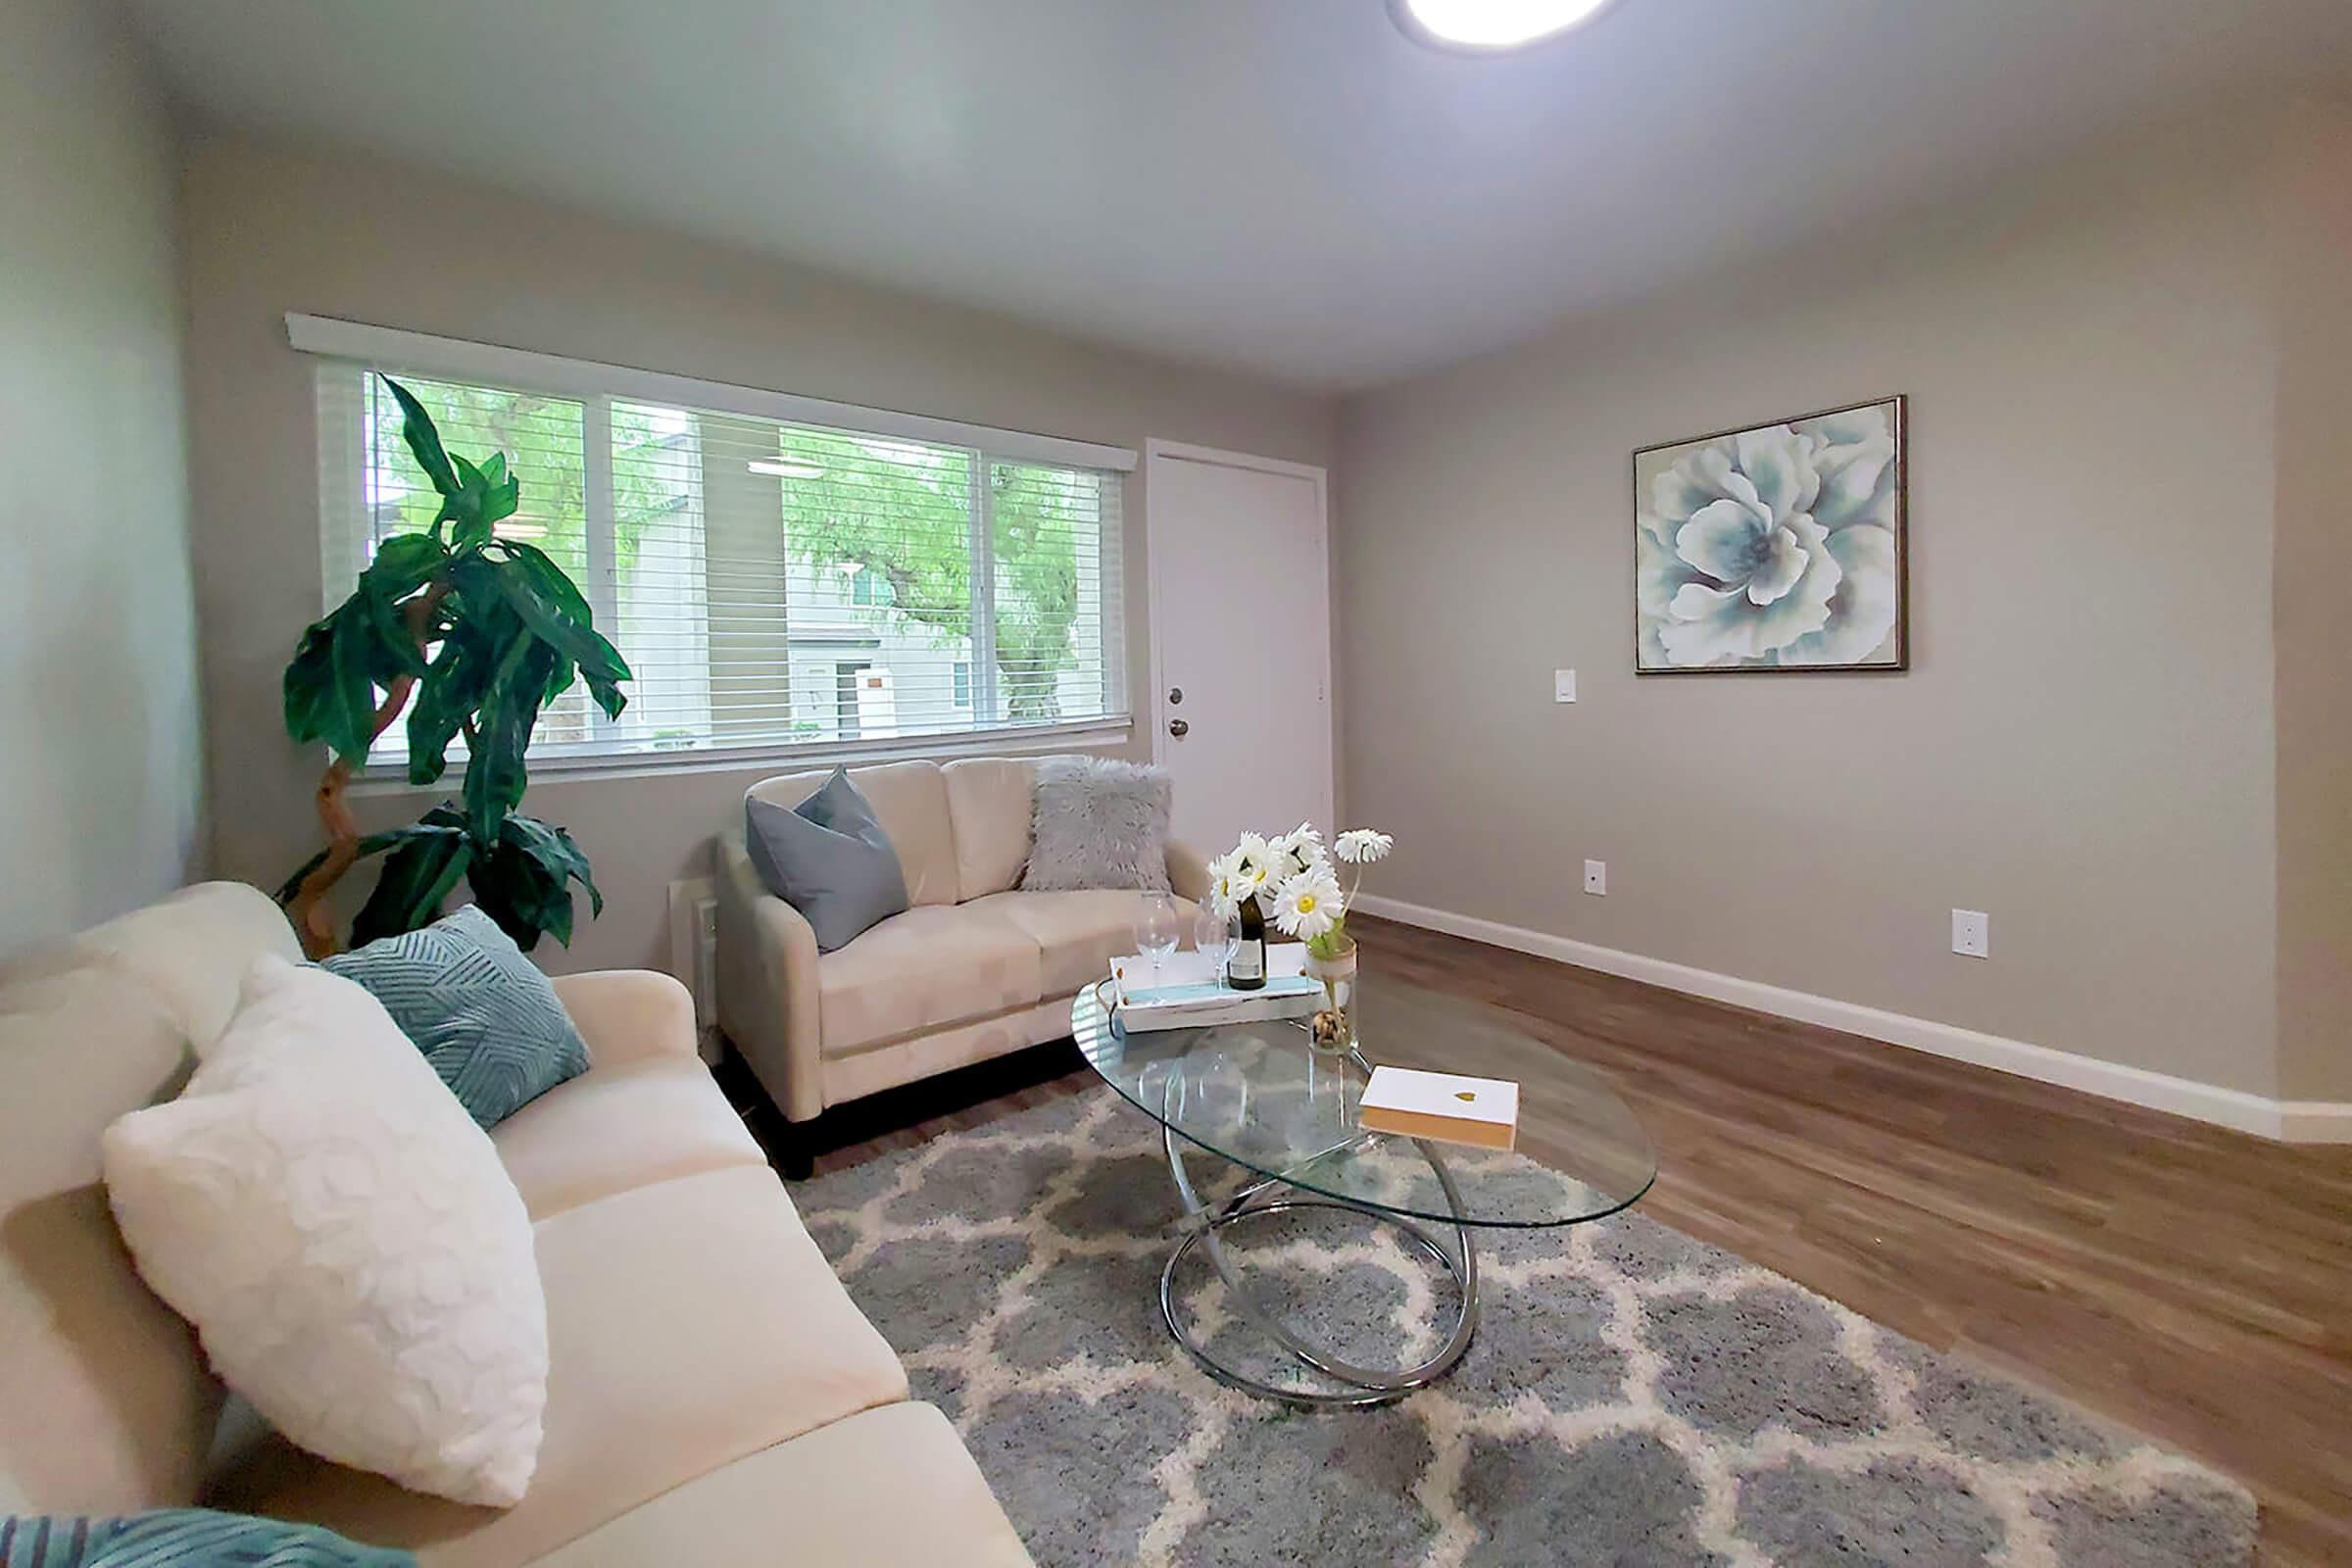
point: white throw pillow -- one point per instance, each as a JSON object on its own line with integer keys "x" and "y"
{"x": 345, "y": 1239}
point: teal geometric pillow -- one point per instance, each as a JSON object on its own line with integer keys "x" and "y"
{"x": 182, "y": 1538}
{"x": 481, "y": 1013}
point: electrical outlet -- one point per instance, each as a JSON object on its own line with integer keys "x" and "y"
{"x": 1563, "y": 685}
{"x": 1972, "y": 933}
{"x": 1596, "y": 877}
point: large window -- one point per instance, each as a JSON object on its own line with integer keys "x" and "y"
{"x": 771, "y": 583}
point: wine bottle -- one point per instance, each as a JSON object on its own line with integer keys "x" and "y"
{"x": 1246, "y": 969}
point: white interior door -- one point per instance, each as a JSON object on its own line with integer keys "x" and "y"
{"x": 1240, "y": 641}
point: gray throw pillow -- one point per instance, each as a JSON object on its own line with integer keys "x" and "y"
{"x": 482, "y": 1014}
{"x": 1096, "y": 824}
{"x": 827, "y": 857}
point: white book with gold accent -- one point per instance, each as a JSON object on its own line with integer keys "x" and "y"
{"x": 1482, "y": 1112}
{"x": 1184, "y": 993}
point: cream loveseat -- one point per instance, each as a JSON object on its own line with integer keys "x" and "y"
{"x": 975, "y": 968}
{"x": 714, "y": 1398}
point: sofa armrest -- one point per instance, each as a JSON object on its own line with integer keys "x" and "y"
{"x": 767, "y": 990}
{"x": 1188, "y": 871}
{"x": 629, "y": 1014}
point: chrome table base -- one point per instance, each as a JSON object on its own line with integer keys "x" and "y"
{"x": 1343, "y": 1384}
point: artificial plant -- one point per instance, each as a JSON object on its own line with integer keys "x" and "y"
{"x": 481, "y": 632}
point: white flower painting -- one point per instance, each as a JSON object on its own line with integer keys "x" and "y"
{"x": 1774, "y": 548}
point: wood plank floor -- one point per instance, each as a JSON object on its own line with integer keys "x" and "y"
{"x": 2191, "y": 1282}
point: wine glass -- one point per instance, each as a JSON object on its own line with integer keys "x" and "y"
{"x": 1156, "y": 929}
{"x": 1216, "y": 934}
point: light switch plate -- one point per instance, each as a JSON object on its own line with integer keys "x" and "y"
{"x": 1972, "y": 933}
{"x": 1563, "y": 685}
{"x": 1596, "y": 877}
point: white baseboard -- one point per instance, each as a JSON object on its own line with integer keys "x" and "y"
{"x": 2314, "y": 1121}
{"x": 2306, "y": 1121}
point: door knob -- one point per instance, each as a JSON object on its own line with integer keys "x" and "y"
{"x": 1179, "y": 728}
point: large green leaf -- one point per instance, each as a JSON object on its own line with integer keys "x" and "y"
{"x": 551, "y": 580}
{"x": 463, "y": 508}
{"x": 502, "y": 493}
{"x": 310, "y": 683}
{"x": 522, "y": 895}
{"x": 403, "y": 563}
{"x": 524, "y": 881}
{"x": 561, "y": 680}
{"x": 367, "y": 641}
{"x": 393, "y": 651}
{"x": 424, "y": 439}
{"x": 331, "y": 687}
{"x": 554, "y": 850}
{"x": 608, "y": 694}
{"x": 454, "y": 686}
{"x": 552, "y": 606}
{"x": 416, "y": 877}
{"x": 495, "y": 772}
{"x": 485, "y": 496}
{"x": 520, "y": 879}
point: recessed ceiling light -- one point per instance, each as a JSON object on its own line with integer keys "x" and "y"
{"x": 1489, "y": 25}
{"x": 785, "y": 470}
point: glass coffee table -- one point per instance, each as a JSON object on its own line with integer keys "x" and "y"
{"x": 1279, "y": 1119}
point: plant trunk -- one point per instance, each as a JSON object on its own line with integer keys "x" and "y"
{"x": 314, "y": 921}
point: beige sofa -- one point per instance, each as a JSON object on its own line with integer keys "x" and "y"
{"x": 714, "y": 1397}
{"x": 973, "y": 969}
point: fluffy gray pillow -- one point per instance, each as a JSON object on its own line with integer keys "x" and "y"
{"x": 1096, "y": 824}
{"x": 827, "y": 857}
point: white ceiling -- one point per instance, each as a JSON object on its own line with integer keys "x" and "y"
{"x": 1283, "y": 186}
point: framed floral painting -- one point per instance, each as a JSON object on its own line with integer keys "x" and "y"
{"x": 1776, "y": 547}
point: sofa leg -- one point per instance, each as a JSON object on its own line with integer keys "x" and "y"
{"x": 794, "y": 1149}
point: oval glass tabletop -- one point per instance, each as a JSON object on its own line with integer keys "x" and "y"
{"x": 1258, "y": 1094}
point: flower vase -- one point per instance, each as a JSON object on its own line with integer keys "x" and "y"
{"x": 1333, "y": 1030}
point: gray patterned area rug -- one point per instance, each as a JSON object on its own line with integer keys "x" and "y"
{"x": 1632, "y": 1397}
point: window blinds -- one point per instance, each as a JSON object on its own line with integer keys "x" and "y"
{"x": 772, "y": 584}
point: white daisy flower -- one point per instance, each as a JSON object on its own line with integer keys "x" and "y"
{"x": 1361, "y": 846}
{"x": 1299, "y": 851}
{"x": 1252, "y": 866}
{"x": 1309, "y": 905}
{"x": 1221, "y": 896}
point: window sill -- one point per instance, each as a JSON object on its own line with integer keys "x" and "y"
{"x": 390, "y": 779}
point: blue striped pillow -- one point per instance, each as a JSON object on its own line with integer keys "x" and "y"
{"x": 481, "y": 1013}
{"x": 181, "y": 1538}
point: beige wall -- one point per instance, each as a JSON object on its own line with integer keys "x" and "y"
{"x": 2084, "y": 744}
{"x": 2314, "y": 568}
{"x": 99, "y": 732}
{"x": 272, "y": 230}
